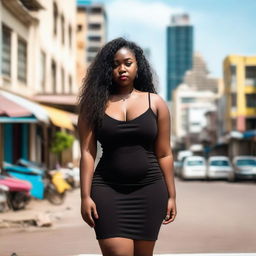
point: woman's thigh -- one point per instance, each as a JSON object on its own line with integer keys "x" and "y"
{"x": 143, "y": 247}
{"x": 116, "y": 246}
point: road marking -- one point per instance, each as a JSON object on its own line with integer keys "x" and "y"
{"x": 188, "y": 254}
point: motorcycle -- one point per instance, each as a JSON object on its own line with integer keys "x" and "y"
{"x": 55, "y": 190}
{"x": 71, "y": 175}
{"x": 45, "y": 184}
{"x": 15, "y": 193}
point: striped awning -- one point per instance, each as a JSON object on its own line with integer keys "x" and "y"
{"x": 59, "y": 117}
{"x": 15, "y": 106}
{"x": 12, "y": 109}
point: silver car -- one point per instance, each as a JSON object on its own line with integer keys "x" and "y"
{"x": 194, "y": 167}
{"x": 219, "y": 167}
{"x": 244, "y": 168}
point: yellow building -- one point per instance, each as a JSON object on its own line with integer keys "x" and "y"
{"x": 240, "y": 93}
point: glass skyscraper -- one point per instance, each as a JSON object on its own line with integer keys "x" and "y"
{"x": 179, "y": 51}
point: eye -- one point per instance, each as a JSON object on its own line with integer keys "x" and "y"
{"x": 128, "y": 64}
{"x": 115, "y": 65}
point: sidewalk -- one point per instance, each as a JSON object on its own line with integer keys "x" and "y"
{"x": 39, "y": 213}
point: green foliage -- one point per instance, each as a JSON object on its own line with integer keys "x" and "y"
{"x": 61, "y": 142}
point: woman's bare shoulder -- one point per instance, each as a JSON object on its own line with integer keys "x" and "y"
{"x": 158, "y": 103}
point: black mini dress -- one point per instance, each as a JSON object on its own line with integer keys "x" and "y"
{"x": 128, "y": 186}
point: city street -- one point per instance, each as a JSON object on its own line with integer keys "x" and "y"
{"x": 213, "y": 217}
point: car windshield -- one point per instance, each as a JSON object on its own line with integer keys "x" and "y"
{"x": 219, "y": 163}
{"x": 242, "y": 162}
{"x": 195, "y": 162}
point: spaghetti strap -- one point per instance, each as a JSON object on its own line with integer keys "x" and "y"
{"x": 149, "y": 99}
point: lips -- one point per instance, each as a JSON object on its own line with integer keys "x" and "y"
{"x": 123, "y": 78}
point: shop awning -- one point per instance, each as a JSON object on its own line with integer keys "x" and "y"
{"x": 249, "y": 133}
{"x": 6, "y": 119}
{"x": 59, "y": 117}
{"x": 11, "y": 109}
{"x": 22, "y": 107}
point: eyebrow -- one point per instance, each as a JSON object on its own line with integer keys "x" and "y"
{"x": 124, "y": 59}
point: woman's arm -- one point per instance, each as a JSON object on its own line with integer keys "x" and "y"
{"x": 164, "y": 155}
{"x": 88, "y": 147}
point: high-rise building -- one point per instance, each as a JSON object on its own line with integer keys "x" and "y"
{"x": 92, "y": 24}
{"x": 179, "y": 51}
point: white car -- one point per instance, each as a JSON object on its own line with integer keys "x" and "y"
{"x": 219, "y": 167}
{"x": 194, "y": 167}
{"x": 244, "y": 168}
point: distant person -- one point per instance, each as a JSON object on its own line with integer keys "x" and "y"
{"x": 132, "y": 190}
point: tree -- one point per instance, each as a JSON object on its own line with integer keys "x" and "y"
{"x": 61, "y": 142}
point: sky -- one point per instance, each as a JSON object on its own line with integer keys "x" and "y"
{"x": 221, "y": 28}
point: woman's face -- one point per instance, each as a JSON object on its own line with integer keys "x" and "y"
{"x": 124, "y": 67}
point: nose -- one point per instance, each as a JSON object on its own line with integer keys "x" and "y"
{"x": 122, "y": 69}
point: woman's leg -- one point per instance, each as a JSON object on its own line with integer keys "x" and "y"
{"x": 143, "y": 247}
{"x": 116, "y": 246}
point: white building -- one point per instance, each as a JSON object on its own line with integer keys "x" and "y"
{"x": 39, "y": 47}
{"x": 189, "y": 108}
{"x": 37, "y": 61}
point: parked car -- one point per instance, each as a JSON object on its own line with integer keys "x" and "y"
{"x": 219, "y": 167}
{"x": 244, "y": 168}
{"x": 194, "y": 167}
{"x": 181, "y": 156}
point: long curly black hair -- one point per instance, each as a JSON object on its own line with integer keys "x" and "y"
{"x": 98, "y": 85}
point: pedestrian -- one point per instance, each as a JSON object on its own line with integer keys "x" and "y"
{"x": 132, "y": 190}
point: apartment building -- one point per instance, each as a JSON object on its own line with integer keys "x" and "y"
{"x": 91, "y": 34}
{"x": 240, "y": 92}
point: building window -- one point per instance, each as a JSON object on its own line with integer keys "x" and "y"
{"x": 251, "y": 100}
{"x": 233, "y": 77}
{"x": 70, "y": 83}
{"x": 94, "y": 38}
{"x": 250, "y": 123}
{"x": 233, "y": 99}
{"x": 79, "y": 27}
{"x": 93, "y": 49}
{"x": 55, "y": 18}
{"x": 94, "y": 26}
{"x": 187, "y": 100}
{"x": 63, "y": 80}
{"x": 250, "y": 75}
{"x": 42, "y": 70}
{"x": 22, "y": 60}
{"x": 62, "y": 29}
{"x": 233, "y": 124}
{"x": 70, "y": 36}
{"x": 6, "y": 50}
{"x": 96, "y": 10}
{"x": 53, "y": 76}
{"x": 90, "y": 58}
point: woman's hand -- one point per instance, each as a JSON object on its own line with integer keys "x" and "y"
{"x": 171, "y": 211}
{"x": 87, "y": 208}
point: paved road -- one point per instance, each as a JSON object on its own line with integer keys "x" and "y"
{"x": 213, "y": 217}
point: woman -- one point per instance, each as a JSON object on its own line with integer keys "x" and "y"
{"x": 132, "y": 191}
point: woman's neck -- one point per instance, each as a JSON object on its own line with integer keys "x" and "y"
{"x": 121, "y": 91}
